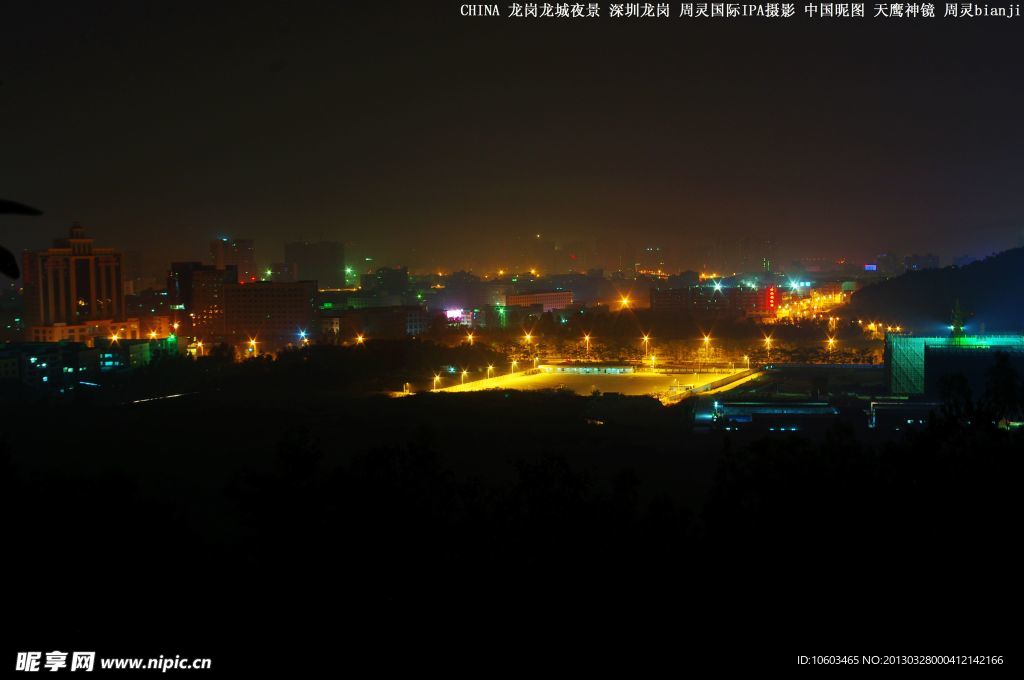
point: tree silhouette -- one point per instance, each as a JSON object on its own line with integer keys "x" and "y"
{"x": 8, "y": 263}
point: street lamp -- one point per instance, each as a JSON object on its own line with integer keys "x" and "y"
{"x": 535, "y": 360}
{"x": 652, "y": 361}
{"x": 625, "y": 302}
{"x": 527, "y": 337}
{"x": 586, "y": 341}
{"x": 437, "y": 380}
{"x": 768, "y": 347}
{"x": 360, "y": 339}
{"x": 514, "y": 364}
{"x": 647, "y": 340}
{"x": 747, "y": 359}
{"x": 831, "y": 346}
{"x": 490, "y": 369}
{"x": 464, "y": 372}
{"x": 200, "y": 346}
{"x": 252, "y": 345}
{"x": 469, "y": 336}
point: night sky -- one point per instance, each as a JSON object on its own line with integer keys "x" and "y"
{"x": 422, "y": 137}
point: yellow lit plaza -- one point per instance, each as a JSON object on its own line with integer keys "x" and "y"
{"x": 584, "y": 381}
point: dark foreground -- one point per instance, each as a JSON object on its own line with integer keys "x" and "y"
{"x": 488, "y": 531}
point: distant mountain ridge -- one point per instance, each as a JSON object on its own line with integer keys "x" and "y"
{"x": 990, "y": 291}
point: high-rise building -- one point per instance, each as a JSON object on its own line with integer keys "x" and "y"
{"x": 274, "y": 314}
{"x": 207, "y": 314}
{"x": 179, "y": 284}
{"x": 195, "y": 293}
{"x": 756, "y": 255}
{"x": 240, "y": 253}
{"x": 323, "y": 262}
{"x": 74, "y": 282}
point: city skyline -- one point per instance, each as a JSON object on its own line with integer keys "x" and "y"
{"x": 615, "y": 256}
{"x": 439, "y": 335}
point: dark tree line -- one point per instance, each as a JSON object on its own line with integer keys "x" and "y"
{"x": 285, "y": 525}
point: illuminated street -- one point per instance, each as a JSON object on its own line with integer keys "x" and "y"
{"x": 628, "y": 383}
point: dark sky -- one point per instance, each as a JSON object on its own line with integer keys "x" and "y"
{"x": 420, "y": 136}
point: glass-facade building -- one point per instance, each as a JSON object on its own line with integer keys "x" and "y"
{"x": 908, "y": 359}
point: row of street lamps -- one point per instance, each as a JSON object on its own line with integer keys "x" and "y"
{"x": 646, "y": 339}
{"x": 528, "y": 338}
